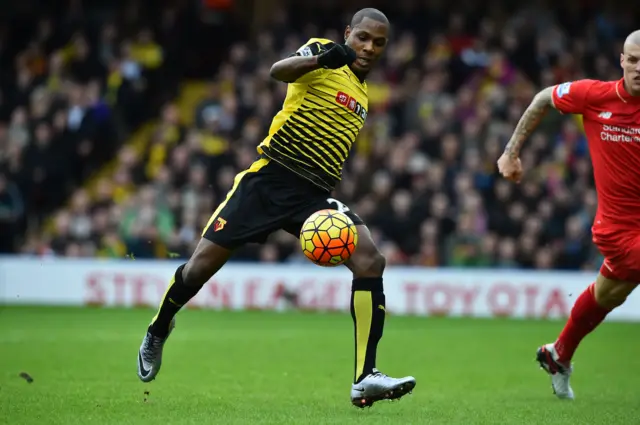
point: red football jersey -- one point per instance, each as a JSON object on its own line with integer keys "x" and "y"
{"x": 612, "y": 125}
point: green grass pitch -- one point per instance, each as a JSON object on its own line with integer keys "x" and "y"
{"x": 295, "y": 368}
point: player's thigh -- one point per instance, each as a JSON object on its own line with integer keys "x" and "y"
{"x": 244, "y": 217}
{"x": 620, "y": 271}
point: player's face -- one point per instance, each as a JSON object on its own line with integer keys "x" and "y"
{"x": 630, "y": 62}
{"x": 368, "y": 39}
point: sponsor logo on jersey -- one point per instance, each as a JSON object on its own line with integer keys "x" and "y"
{"x": 620, "y": 134}
{"x": 351, "y": 104}
{"x": 563, "y": 89}
{"x": 605, "y": 114}
{"x": 342, "y": 98}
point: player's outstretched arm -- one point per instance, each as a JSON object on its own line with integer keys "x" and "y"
{"x": 529, "y": 121}
{"x": 509, "y": 163}
{"x": 290, "y": 69}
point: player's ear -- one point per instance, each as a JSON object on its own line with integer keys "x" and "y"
{"x": 347, "y": 32}
{"x": 622, "y": 60}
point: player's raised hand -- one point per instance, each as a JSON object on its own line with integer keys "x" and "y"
{"x": 337, "y": 57}
{"x": 510, "y": 168}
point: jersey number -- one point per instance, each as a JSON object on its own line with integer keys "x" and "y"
{"x": 339, "y": 205}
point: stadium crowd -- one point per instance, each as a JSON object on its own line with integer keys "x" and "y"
{"x": 70, "y": 93}
{"x": 422, "y": 174}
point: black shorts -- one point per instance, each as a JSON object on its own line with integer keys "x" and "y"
{"x": 264, "y": 198}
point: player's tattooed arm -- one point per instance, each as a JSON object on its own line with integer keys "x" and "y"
{"x": 529, "y": 121}
{"x": 290, "y": 69}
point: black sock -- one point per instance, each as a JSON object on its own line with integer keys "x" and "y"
{"x": 367, "y": 311}
{"x": 177, "y": 295}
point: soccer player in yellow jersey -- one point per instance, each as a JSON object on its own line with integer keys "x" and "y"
{"x": 299, "y": 164}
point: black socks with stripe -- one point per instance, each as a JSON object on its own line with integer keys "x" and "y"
{"x": 177, "y": 295}
{"x": 368, "y": 313}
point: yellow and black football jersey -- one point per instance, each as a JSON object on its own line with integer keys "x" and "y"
{"x": 322, "y": 115}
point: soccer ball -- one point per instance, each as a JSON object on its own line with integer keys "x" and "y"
{"x": 328, "y": 238}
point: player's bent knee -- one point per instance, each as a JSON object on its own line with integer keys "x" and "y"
{"x": 207, "y": 259}
{"x": 380, "y": 262}
{"x": 367, "y": 260}
{"x": 615, "y": 297}
{"x": 367, "y": 264}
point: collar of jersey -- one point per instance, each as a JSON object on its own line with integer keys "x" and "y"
{"x": 352, "y": 74}
{"x": 624, "y": 94}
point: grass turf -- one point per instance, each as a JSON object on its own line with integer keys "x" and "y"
{"x": 295, "y": 368}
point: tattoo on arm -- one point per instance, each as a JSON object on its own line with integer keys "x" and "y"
{"x": 529, "y": 121}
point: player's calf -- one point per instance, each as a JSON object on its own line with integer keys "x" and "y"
{"x": 366, "y": 261}
{"x": 591, "y": 307}
{"x": 368, "y": 311}
{"x": 207, "y": 259}
{"x": 368, "y": 303}
{"x": 189, "y": 278}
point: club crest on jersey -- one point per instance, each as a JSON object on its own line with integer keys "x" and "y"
{"x": 351, "y": 104}
{"x": 219, "y": 224}
{"x": 563, "y": 89}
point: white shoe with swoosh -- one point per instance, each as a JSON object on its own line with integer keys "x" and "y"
{"x": 150, "y": 354}
{"x": 378, "y": 386}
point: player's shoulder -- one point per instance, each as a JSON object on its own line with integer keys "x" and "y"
{"x": 604, "y": 94}
{"x": 323, "y": 41}
{"x": 568, "y": 87}
{"x": 602, "y": 87}
{"x": 314, "y": 46}
{"x": 593, "y": 90}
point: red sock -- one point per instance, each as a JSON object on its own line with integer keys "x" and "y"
{"x": 586, "y": 315}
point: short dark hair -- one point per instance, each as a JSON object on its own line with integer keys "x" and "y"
{"x": 370, "y": 13}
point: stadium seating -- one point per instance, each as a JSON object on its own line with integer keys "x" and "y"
{"x": 73, "y": 96}
{"x": 442, "y": 106}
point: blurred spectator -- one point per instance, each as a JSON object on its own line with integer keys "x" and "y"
{"x": 11, "y": 214}
{"x": 441, "y": 107}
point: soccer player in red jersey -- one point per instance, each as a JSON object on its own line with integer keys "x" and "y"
{"x": 611, "y": 115}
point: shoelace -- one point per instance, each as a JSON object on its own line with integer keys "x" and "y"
{"x": 152, "y": 345}
{"x": 379, "y": 375}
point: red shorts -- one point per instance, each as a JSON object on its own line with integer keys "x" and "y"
{"x": 621, "y": 251}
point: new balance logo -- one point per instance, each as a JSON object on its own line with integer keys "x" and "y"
{"x": 605, "y": 115}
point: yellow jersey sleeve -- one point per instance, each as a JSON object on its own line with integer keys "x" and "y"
{"x": 313, "y": 47}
